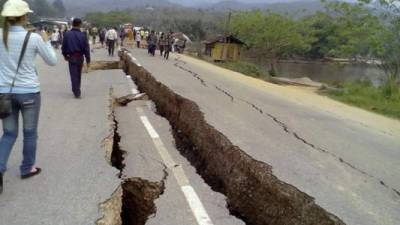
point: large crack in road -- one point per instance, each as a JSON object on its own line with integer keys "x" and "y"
{"x": 133, "y": 201}
{"x": 253, "y": 193}
{"x": 283, "y": 125}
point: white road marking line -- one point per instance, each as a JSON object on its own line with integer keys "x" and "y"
{"x": 133, "y": 90}
{"x": 149, "y": 127}
{"x": 196, "y": 206}
{"x": 190, "y": 194}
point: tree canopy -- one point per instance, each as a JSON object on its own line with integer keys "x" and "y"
{"x": 109, "y": 19}
{"x": 273, "y": 35}
{"x": 358, "y": 31}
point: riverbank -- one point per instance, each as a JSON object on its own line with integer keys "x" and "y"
{"x": 246, "y": 68}
{"x": 364, "y": 95}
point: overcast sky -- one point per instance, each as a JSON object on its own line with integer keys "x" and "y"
{"x": 249, "y": 1}
{"x": 193, "y": 2}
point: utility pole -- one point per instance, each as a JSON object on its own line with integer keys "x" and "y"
{"x": 224, "y": 47}
{"x": 228, "y": 22}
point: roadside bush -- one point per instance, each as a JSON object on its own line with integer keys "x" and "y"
{"x": 384, "y": 100}
{"x": 390, "y": 89}
{"x": 246, "y": 68}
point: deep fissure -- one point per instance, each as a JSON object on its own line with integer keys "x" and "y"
{"x": 138, "y": 195}
{"x": 104, "y": 65}
{"x": 286, "y": 128}
{"x": 117, "y": 155}
{"x": 253, "y": 193}
{"x": 138, "y": 200}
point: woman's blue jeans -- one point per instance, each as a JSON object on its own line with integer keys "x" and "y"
{"x": 29, "y": 106}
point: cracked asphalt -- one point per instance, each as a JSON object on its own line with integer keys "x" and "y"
{"x": 346, "y": 158}
{"x": 76, "y": 177}
{"x": 143, "y": 160}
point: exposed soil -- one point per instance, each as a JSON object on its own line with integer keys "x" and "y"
{"x": 138, "y": 200}
{"x": 133, "y": 202}
{"x": 104, "y": 65}
{"x": 253, "y": 193}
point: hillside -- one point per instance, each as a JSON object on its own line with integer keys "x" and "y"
{"x": 78, "y": 8}
{"x": 300, "y": 7}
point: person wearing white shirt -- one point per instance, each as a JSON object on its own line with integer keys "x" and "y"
{"x": 138, "y": 39}
{"x": 112, "y": 37}
{"x": 55, "y": 39}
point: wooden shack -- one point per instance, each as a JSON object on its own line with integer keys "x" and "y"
{"x": 223, "y": 48}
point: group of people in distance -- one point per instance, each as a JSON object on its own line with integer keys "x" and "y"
{"x": 140, "y": 38}
{"x": 163, "y": 42}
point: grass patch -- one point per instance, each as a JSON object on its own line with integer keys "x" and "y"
{"x": 245, "y": 68}
{"x": 384, "y": 100}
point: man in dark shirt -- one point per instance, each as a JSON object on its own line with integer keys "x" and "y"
{"x": 75, "y": 47}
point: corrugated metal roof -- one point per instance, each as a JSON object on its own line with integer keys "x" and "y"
{"x": 221, "y": 38}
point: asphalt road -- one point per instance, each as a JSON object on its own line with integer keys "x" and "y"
{"x": 346, "y": 158}
{"x": 76, "y": 177}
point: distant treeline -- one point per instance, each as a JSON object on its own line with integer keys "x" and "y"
{"x": 198, "y": 24}
{"x": 358, "y": 31}
{"x": 347, "y": 30}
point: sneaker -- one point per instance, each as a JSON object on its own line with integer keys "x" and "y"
{"x": 1, "y": 183}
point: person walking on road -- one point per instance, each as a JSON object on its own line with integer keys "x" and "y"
{"x": 18, "y": 77}
{"x": 167, "y": 48}
{"x": 93, "y": 33}
{"x": 75, "y": 47}
{"x": 152, "y": 43}
{"x": 112, "y": 37}
{"x": 55, "y": 39}
{"x": 142, "y": 34}
{"x": 138, "y": 39}
{"x": 122, "y": 36}
{"x": 102, "y": 36}
{"x": 162, "y": 44}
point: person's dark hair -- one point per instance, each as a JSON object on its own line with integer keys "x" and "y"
{"x": 9, "y": 21}
{"x": 76, "y": 22}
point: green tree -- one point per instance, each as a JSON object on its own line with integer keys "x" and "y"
{"x": 388, "y": 50}
{"x": 274, "y": 36}
{"x": 323, "y": 27}
{"x": 357, "y": 30}
{"x": 110, "y": 19}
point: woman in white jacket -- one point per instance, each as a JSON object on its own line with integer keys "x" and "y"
{"x": 26, "y": 91}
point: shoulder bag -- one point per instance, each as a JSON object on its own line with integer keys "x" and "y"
{"x": 5, "y": 99}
